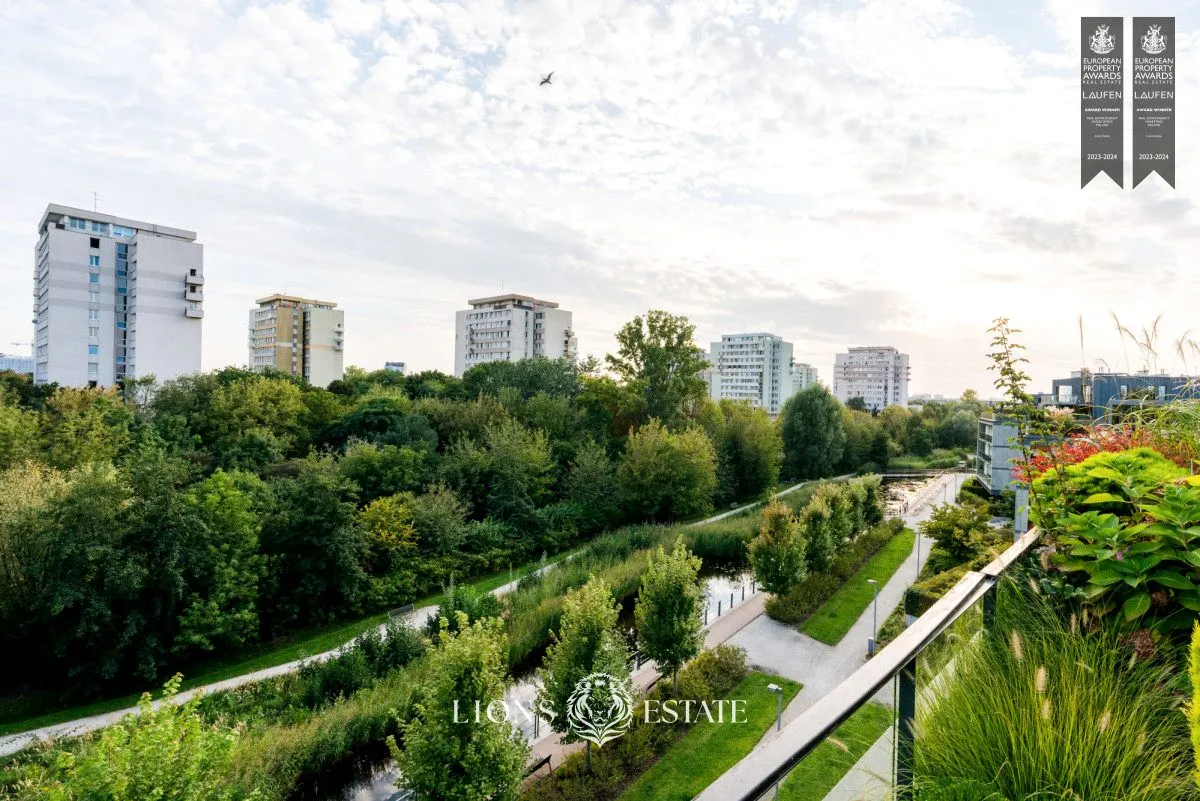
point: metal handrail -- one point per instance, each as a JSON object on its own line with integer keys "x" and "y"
{"x": 770, "y": 763}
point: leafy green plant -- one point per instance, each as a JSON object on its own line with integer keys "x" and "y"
{"x": 167, "y": 753}
{"x": 1137, "y": 567}
{"x": 777, "y": 553}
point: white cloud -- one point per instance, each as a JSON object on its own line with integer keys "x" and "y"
{"x": 845, "y": 174}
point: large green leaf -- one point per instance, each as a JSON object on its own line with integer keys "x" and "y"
{"x": 1137, "y": 605}
{"x": 1110, "y": 474}
{"x": 1189, "y": 600}
{"x": 1172, "y": 579}
{"x": 1104, "y": 497}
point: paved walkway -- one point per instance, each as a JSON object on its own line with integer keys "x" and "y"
{"x": 785, "y": 651}
{"x": 720, "y": 630}
{"x": 12, "y": 743}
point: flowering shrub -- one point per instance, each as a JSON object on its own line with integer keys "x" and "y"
{"x": 1082, "y": 446}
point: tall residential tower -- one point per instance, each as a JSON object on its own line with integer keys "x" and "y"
{"x": 878, "y": 374}
{"x": 754, "y": 367}
{"x": 509, "y": 328}
{"x": 298, "y": 336}
{"x": 114, "y": 298}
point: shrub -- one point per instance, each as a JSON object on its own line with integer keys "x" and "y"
{"x": 807, "y": 596}
{"x": 1125, "y": 475}
{"x": 960, "y": 530}
{"x": 166, "y": 752}
{"x": 777, "y": 553}
{"x": 1139, "y": 551}
{"x": 1193, "y": 708}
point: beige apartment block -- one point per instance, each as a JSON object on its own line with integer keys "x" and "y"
{"x": 299, "y": 336}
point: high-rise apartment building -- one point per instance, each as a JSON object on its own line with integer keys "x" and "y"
{"x": 114, "y": 298}
{"x": 16, "y": 364}
{"x": 803, "y": 375}
{"x": 299, "y": 336}
{"x": 877, "y": 374}
{"x": 395, "y": 367}
{"x": 509, "y": 328}
{"x": 752, "y": 367}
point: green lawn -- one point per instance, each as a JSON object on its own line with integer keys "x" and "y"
{"x": 822, "y": 769}
{"x": 36, "y": 711}
{"x": 709, "y": 749}
{"x": 837, "y": 615}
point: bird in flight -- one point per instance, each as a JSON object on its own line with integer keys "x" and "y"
{"x": 546, "y": 80}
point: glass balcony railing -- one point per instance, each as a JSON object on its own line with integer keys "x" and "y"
{"x": 866, "y": 724}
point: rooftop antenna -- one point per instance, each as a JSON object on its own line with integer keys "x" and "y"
{"x": 95, "y": 202}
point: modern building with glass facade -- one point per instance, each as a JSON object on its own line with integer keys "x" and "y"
{"x": 1108, "y": 396}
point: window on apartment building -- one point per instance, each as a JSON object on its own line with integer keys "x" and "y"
{"x": 93, "y": 368}
{"x": 76, "y": 223}
{"x": 93, "y": 297}
{"x": 93, "y": 350}
{"x": 94, "y": 278}
{"x": 93, "y": 314}
{"x": 192, "y": 271}
{"x": 94, "y": 331}
{"x": 99, "y": 228}
{"x": 94, "y": 261}
{"x": 94, "y": 241}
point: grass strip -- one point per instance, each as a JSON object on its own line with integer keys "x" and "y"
{"x": 709, "y": 749}
{"x": 838, "y": 615}
{"x": 821, "y": 770}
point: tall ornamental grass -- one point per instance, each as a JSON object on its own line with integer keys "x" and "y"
{"x": 1038, "y": 709}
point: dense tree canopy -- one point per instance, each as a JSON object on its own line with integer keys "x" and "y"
{"x": 144, "y": 530}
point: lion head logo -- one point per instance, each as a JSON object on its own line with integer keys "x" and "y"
{"x": 600, "y": 709}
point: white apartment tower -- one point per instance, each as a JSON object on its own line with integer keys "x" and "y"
{"x": 752, "y": 367}
{"x": 877, "y": 374}
{"x": 114, "y": 298}
{"x": 298, "y": 336}
{"x": 803, "y": 375}
{"x": 509, "y": 328}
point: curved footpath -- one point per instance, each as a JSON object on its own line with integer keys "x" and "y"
{"x": 12, "y": 743}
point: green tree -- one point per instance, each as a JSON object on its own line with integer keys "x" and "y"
{"x": 79, "y": 426}
{"x": 958, "y": 529}
{"x": 379, "y": 471}
{"x": 449, "y": 757}
{"x": 857, "y": 404}
{"x": 314, "y": 548}
{"x": 878, "y": 451}
{"x": 18, "y": 435}
{"x": 669, "y": 629}
{"x": 520, "y": 471}
{"x": 440, "y": 520}
{"x": 587, "y": 642}
{"x": 221, "y": 606}
{"x": 658, "y": 359}
{"x": 665, "y": 476}
{"x": 749, "y": 450}
{"x": 813, "y": 433}
{"x": 592, "y": 484}
{"x": 557, "y": 378}
{"x": 777, "y": 553}
{"x": 168, "y": 752}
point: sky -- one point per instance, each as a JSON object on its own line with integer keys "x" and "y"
{"x": 838, "y": 173}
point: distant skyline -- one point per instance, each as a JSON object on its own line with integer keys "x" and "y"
{"x": 839, "y": 174}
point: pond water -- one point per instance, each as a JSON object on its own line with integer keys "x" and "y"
{"x": 371, "y": 775}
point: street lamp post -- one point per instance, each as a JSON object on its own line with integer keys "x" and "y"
{"x": 874, "y": 618}
{"x": 775, "y": 688}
